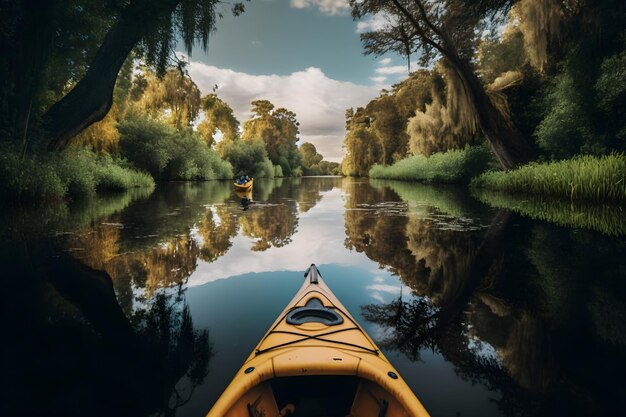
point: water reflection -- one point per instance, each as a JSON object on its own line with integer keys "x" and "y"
{"x": 70, "y": 347}
{"x": 484, "y": 311}
{"x": 513, "y": 308}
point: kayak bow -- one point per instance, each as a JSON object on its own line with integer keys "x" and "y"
{"x": 315, "y": 360}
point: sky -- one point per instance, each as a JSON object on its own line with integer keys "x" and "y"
{"x": 304, "y": 55}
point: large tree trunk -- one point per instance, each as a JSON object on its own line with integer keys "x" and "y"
{"x": 90, "y": 100}
{"x": 505, "y": 140}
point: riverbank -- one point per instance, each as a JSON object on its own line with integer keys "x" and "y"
{"x": 582, "y": 178}
{"x": 54, "y": 176}
{"x": 451, "y": 167}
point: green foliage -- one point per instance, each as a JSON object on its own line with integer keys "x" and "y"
{"x": 278, "y": 130}
{"x": 247, "y": 157}
{"x": 278, "y": 171}
{"x": 611, "y": 93}
{"x": 143, "y": 142}
{"x": 583, "y": 178}
{"x": 169, "y": 154}
{"x": 217, "y": 115}
{"x": 497, "y": 55}
{"x": 455, "y": 166}
{"x": 607, "y": 219}
{"x": 362, "y": 151}
{"x": 28, "y": 178}
{"x": 329, "y": 168}
{"x": 73, "y": 172}
{"x": 565, "y": 129}
{"x": 175, "y": 97}
{"x": 312, "y": 161}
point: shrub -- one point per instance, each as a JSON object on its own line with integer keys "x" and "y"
{"x": 455, "y": 166}
{"x": 170, "y": 154}
{"x": 48, "y": 176}
{"x": 247, "y": 157}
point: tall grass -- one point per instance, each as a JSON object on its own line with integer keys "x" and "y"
{"x": 582, "y": 178}
{"x": 455, "y": 166}
{"x": 52, "y": 176}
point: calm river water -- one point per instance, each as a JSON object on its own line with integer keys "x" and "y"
{"x": 148, "y": 303}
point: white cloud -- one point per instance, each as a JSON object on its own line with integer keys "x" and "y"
{"x": 385, "y": 61}
{"x": 318, "y": 101}
{"x": 396, "y": 69}
{"x": 390, "y": 289}
{"x": 373, "y": 23}
{"x": 322, "y": 239}
{"x": 330, "y": 7}
{"x": 378, "y": 80}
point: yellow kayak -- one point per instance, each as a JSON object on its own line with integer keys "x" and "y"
{"x": 245, "y": 186}
{"x": 315, "y": 360}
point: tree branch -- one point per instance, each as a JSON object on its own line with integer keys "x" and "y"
{"x": 418, "y": 27}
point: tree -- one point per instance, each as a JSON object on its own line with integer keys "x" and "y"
{"x": 248, "y": 157}
{"x": 362, "y": 151}
{"x": 310, "y": 159}
{"x": 175, "y": 95}
{"x": 448, "y": 30}
{"x": 278, "y": 129}
{"x": 150, "y": 27}
{"x": 218, "y": 115}
{"x": 399, "y": 39}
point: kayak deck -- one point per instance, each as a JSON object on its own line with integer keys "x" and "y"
{"x": 245, "y": 186}
{"x": 315, "y": 360}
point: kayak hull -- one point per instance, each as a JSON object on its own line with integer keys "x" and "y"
{"x": 318, "y": 352}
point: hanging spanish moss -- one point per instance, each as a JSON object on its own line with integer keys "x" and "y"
{"x": 496, "y": 90}
{"x": 448, "y": 122}
{"x": 539, "y": 22}
{"x": 461, "y": 109}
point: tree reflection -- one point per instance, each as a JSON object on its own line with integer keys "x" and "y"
{"x": 271, "y": 226}
{"x": 73, "y": 349}
{"x": 514, "y": 306}
{"x": 164, "y": 266}
{"x": 274, "y": 221}
{"x": 310, "y": 192}
{"x": 217, "y": 229}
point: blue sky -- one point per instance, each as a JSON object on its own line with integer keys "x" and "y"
{"x": 304, "y": 55}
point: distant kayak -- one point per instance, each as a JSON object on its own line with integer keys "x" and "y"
{"x": 315, "y": 360}
{"x": 245, "y": 186}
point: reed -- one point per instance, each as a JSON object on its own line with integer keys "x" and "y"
{"x": 582, "y": 178}
{"x": 454, "y": 166}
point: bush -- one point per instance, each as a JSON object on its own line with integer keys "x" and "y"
{"x": 455, "y": 166}
{"x": 247, "y": 157}
{"x": 52, "y": 176}
{"x": 565, "y": 129}
{"x": 583, "y": 178}
{"x": 28, "y": 178}
{"x": 170, "y": 154}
